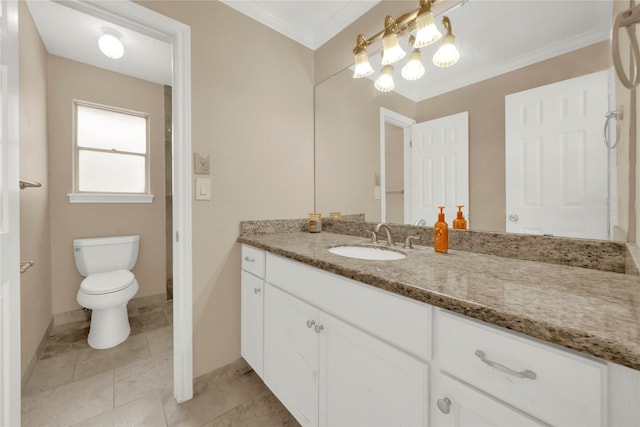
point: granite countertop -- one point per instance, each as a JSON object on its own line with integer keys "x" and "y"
{"x": 593, "y": 312}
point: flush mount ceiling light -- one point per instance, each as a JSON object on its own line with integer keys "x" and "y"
{"x": 420, "y": 20}
{"x": 110, "y": 44}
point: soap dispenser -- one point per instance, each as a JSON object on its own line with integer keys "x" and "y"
{"x": 460, "y": 223}
{"x": 441, "y": 233}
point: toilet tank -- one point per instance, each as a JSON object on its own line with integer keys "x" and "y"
{"x": 101, "y": 254}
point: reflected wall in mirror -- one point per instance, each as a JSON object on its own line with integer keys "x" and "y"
{"x": 348, "y": 130}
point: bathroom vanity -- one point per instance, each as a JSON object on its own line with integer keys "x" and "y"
{"x": 438, "y": 339}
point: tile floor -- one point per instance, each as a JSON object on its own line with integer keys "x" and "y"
{"x": 131, "y": 384}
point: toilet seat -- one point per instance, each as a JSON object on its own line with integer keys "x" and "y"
{"x": 106, "y": 283}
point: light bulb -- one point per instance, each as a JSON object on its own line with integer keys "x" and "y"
{"x": 385, "y": 81}
{"x": 413, "y": 69}
{"x": 426, "y": 30}
{"x": 447, "y": 54}
{"x": 110, "y": 44}
{"x": 362, "y": 66}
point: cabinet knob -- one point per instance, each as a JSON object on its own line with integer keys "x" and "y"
{"x": 256, "y": 290}
{"x": 444, "y": 405}
{"x": 310, "y": 323}
{"x": 514, "y": 218}
{"x": 319, "y": 328}
{"x": 249, "y": 259}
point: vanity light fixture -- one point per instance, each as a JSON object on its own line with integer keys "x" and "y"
{"x": 392, "y": 52}
{"x": 420, "y": 20}
{"x": 447, "y": 55}
{"x": 413, "y": 69}
{"x": 385, "y": 83}
{"x": 110, "y": 44}
{"x": 362, "y": 68}
{"x": 426, "y": 30}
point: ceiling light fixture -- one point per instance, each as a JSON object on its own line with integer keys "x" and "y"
{"x": 420, "y": 20}
{"x": 110, "y": 44}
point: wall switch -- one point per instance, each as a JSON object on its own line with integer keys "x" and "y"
{"x": 203, "y": 188}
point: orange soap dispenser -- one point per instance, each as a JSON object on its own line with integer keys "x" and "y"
{"x": 441, "y": 233}
{"x": 460, "y": 223}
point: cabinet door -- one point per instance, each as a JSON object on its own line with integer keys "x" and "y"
{"x": 454, "y": 404}
{"x": 251, "y": 321}
{"x": 291, "y": 354}
{"x": 367, "y": 382}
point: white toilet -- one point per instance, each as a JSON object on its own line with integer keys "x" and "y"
{"x": 108, "y": 285}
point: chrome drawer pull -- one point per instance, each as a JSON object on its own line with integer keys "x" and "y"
{"x": 522, "y": 374}
{"x": 249, "y": 259}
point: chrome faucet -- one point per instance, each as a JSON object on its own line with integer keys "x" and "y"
{"x": 386, "y": 228}
{"x": 421, "y": 222}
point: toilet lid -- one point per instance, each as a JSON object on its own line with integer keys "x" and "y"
{"x": 105, "y": 283}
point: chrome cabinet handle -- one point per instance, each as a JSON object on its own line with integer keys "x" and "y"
{"x": 249, "y": 259}
{"x": 520, "y": 374}
{"x": 319, "y": 328}
{"x": 310, "y": 323}
{"x": 444, "y": 405}
{"x": 256, "y": 290}
{"x": 514, "y": 218}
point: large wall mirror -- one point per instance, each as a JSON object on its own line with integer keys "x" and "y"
{"x": 506, "y": 48}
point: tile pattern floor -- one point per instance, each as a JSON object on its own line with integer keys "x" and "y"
{"x": 131, "y": 384}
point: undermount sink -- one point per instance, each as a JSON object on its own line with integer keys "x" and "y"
{"x": 367, "y": 252}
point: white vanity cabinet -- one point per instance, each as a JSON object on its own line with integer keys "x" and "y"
{"x": 328, "y": 372}
{"x": 341, "y": 353}
{"x": 251, "y": 318}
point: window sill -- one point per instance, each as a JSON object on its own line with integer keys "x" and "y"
{"x": 109, "y": 198}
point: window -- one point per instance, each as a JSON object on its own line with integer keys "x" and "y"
{"x": 111, "y": 154}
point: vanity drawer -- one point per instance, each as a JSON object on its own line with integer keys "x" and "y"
{"x": 253, "y": 261}
{"x": 554, "y": 385}
{"x": 397, "y": 320}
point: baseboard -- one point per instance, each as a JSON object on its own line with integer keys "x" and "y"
{"x": 26, "y": 375}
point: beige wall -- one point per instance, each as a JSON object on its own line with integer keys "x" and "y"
{"x": 69, "y": 80}
{"x": 394, "y": 173}
{"x": 252, "y": 111}
{"x": 348, "y": 143}
{"x": 35, "y": 284}
{"x": 485, "y": 103}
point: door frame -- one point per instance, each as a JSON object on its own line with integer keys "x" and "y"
{"x": 158, "y": 26}
{"x": 396, "y": 119}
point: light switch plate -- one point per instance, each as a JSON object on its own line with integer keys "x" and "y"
{"x": 201, "y": 163}
{"x": 203, "y": 188}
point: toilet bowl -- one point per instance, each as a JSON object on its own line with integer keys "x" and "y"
{"x": 108, "y": 286}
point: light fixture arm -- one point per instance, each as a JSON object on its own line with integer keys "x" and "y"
{"x": 446, "y": 23}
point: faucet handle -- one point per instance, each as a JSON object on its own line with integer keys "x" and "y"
{"x": 374, "y": 237}
{"x": 408, "y": 242}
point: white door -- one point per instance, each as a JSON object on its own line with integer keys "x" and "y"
{"x": 455, "y": 404}
{"x": 556, "y": 160}
{"x": 251, "y": 343}
{"x": 367, "y": 382}
{"x": 439, "y": 168}
{"x": 291, "y": 353}
{"x": 9, "y": 219}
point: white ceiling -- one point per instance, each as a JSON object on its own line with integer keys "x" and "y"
{"x": 493, "y": 36}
